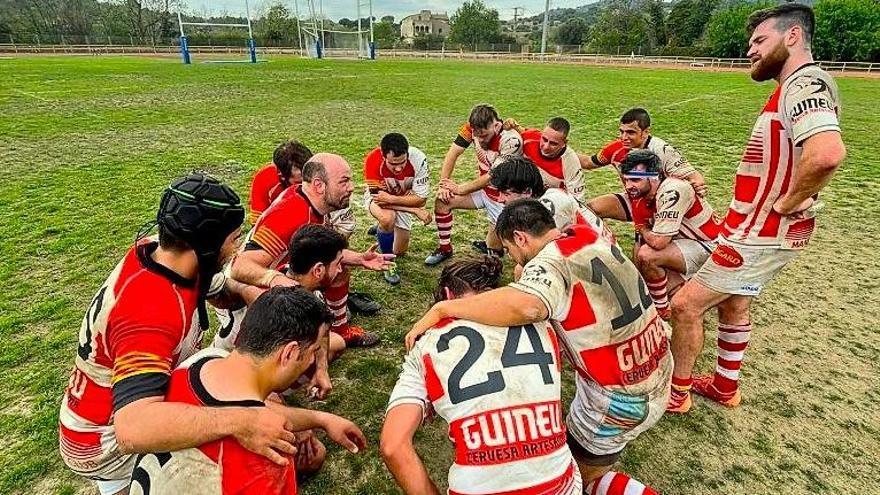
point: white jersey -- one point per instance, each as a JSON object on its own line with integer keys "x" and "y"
{"x": 680, "y": 213}
{"x": 499, "y": 390}
{"x": 672, "y": 162}
{"x": 568, "y": 211}
{"x": 601, "y": 310}
{"x": 805, "y": 104}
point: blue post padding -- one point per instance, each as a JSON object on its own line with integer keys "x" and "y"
{"x": 372, "y": 51}
{"x": 386, "y": 241}
{"x": 252, "y": 47}
{"x": 319, "y": 50}
{"x": 184, "y": 50}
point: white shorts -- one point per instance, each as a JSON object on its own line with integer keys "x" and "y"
{"x": 109, "y": 468}
{"x": 230, "y": 324}
{"x": 483, "y": 202}
{"x": 404, "y": 219}
{"x": 695, "y": 254}
{"x": 735, "y": 268}
{"x": 604, "y": 422}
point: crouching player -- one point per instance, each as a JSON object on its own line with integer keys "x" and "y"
{"x": 278, "y": 341}
{"x": 507, "y": 429}
{"x": 676, "y": 229}
{"x": 398, "y": 184}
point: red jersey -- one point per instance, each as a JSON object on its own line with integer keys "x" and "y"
{"x": 563, "y": 172}
{"x": 672, "y": 163}
{"x": 265, "y": 187}
{"x": 276, "y": 226}
{"x": 505, "y": 144}
{"x": 414, "y": 177}
{"x": 139, "y": 325}
{"x": 222, "y": 466}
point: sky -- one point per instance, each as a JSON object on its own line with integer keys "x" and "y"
{"x": 337, "y": 9}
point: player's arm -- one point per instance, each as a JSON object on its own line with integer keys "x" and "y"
{"x": 455, "y": 150}
{"x": 590, "y": 162}
{"x": 468, "y": 187}
{"x": 656, "y": 241}
{"x": 228, "y": 293}
{"x": 389, "y": 201}
{"x": 573, "y": 175}
{"x": 399, "y": 453}
{"x": 822, "y": 155}
{"x": 252, "y": 267}
{"x": 339, "y": 429}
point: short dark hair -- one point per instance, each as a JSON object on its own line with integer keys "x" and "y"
{"x": 525, "y": 215}
{"x": 394, "y": 142}
{"x": 314, "y": 169}
{"x": 470, "y": 274}
{"x": 559, "y": 124}
{"x": 288, "y": 156}
{"x": 517, "y": 174}
{"x": 279, "y": 316}
{"x": 170, "y": 242}
{"x": 639, "y": 116}
{"x": 640, "y": 157}
{"x": 482, "y": 117}
{"x": 787, "y": 15}
{"x": 313, "y": 244}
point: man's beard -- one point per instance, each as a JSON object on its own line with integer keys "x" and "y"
{"x": 769, "y": 66}
{"x": 339, "y": 203}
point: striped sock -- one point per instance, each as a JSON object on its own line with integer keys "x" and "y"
{"x": 657, "y": 289}
{"x": 337, "y": 301}
{"x": 732, "y": 343}
{"x": 614, "y": 483}
{"x": 444, "y": 230}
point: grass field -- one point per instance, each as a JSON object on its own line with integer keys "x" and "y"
{"x": 87, "y": 144}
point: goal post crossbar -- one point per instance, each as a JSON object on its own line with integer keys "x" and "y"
{"x": 184, "y": 44}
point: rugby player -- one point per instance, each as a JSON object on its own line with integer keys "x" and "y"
{"x": 600, "y": 309}
{"x": 518, "y": 392}
{"x": 278, "y": 341}
{"x": 149, "y": 315}
{"x": 635, "y": 133}
{"x": 676, "y": 229}
{"x": 398, "y": 185}
{"x": 558, "y": 164}
{"x": 494, "y": 144}
{"x": 793, "y": 152}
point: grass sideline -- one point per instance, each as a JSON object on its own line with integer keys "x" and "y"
{"x": 87, "y": 144}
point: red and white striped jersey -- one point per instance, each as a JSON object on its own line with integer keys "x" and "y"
{"x": 499, "y": 390}
{"x": 568, "y": 211}
{"x": 672, "y": 162}
{"x": 138, "y": 326}
{"x": 677, "y": 211}
{"x": 602, "y": 312}
{"x": 563, "y": 172}
{"x": 505, "y": 144}
{"x": 805, "y": 104}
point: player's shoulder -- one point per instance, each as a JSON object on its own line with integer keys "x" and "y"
{"x": 206, "y": 353}
{"x": 446, "y": 330}
{"x": 266, "y": 170}
{"x": 673, "y": 191}
{"x": 511, "y": 135}
{"x": 374, "y": 157}
{"x": 658, "y": 145}
{"x": 416, "y": 156}
{"x": 809, "y": 79}
{"x": 531, "y": 135}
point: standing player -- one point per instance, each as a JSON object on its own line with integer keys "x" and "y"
{"x": 398, "y": 185}
{"x": 635, "y": 133}
{"x": 494, "y": 144}
{"x": 675, "y": 228}
{"x": 149, "y": 315}
{"x": 279, "y": 338}
{"x": 599, "y": 306}
{"x": 794, "y": 150}
{"x": 559, "y": 165}
{"x": 517, "y": 392}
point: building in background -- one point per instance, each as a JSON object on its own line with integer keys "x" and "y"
{"x": 424, "y": 23}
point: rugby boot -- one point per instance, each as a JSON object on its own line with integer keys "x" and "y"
{"x": 704, "y": 385}
{"x": 679, "y": 402}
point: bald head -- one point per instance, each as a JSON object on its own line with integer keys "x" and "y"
{"x": 323, "y": 165}
{"x": 329, "y": 176}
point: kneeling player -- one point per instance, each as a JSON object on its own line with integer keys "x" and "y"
{"x": 507, "y": 429}
{"x": 279, "y": 338}
{"x": 398, "y": 184}
{"x": 675, "y": 227}
{"x": 494, "y": 144}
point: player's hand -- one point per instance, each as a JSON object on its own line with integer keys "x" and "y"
{"x": 307, "y": 447}
{"x": 372, "y": 260}
{"x": 382, "y": 198}
{"x": 420, "y": 327}
{"x": 283, "y": 281}
{"x": 781, "y": 207}
{"x": 511, "y": 123}
{"x": 451, "y": 186}
{"x": 443, "y": 194}
{"x": 344, "y": 432}
{"x": 700, "y": 188}
{"x": 320, "y": 385}
{"x": 268, "y": 433}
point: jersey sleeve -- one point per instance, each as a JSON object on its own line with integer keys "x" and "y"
{"x": 274, "y": 231}
{"x": 562, "y": 206}
{"x": 422, "y": 181}
{"x": 259, "y": 200}
{"x": 810, "y": 106}
{"x": 511, "y": 145}
{"x": 545, "y": 278}
{"x": 573, "y": 175}
{"x": 342, "y": 221}
{"x": 372, "y": 163}
{"x": 672, "y": 202}
{"x": 674, "y": 163}
{"x": 465, "y": 136}
{"x": 143, "y": 338}
{"x": 609, "y": 154}
{"x": 411, "y": 387}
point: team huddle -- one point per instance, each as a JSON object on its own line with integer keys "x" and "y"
{"x": 147, "y": 410}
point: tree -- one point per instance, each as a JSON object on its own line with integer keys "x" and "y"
{"x": 657, "y": 21}
{"x": 572, "y": 32}
{"x": 347, "y": 23}
{"x": 385, "y": 35}
{"x": 621, "y": 26}
{"x": 726, "y": 34}
{"x": 687, "y": 20}
{"x": 474, "y": 23}
{"x": 388, "y": 18}
{"x": 276, "y": 25}
{"x": 847, "y": 30}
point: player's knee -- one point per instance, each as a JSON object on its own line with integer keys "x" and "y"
{"x": 337, "y": 345}
{"x": 734, "y": 311}
{"x": 646, "y": 255}
{"x": 681, "y": 310}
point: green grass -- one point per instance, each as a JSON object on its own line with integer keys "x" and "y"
{"x": 87, "y": 144}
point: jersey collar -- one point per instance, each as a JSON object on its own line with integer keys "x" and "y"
{"x": 145, "y": 252}
{"x": 802, "y": 67}
{"x": 299, "y": 190}
{"x": 198, "y": 387}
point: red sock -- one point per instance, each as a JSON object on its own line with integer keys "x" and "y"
{"x": 337, "y": 300}
{"x": 732, "y": 343}
{"x": 614, "y": 483}
{"x": 444, "y": 230}
{"x": 657, "y": 289}
{"x": 681, "y": 386}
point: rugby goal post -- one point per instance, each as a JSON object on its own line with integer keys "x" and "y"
{"x": 320, "y": 42}
{"x": 251, "y": 44}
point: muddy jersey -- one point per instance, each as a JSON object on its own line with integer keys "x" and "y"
{"x": 277, "y": 225}
{"x": 672, "y": 163}
{"x": 568, "y": 211}
{"x": 678, "y": 212}
{"x": 602, "y": 313}
{"x": 219, "y": 467}
{"x": 499, "y": 391}
{"x": 415, "y": 176}
{"x": 805, "y": 104}
{"x": 562, "y": 172}
{"x": 505, "y": 144}
{"x": 138, "y": 326}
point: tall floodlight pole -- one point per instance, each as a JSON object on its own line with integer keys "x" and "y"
{"x": 544, "y": 32}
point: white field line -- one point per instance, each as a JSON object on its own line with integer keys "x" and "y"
{"x": 40, "y": 98}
